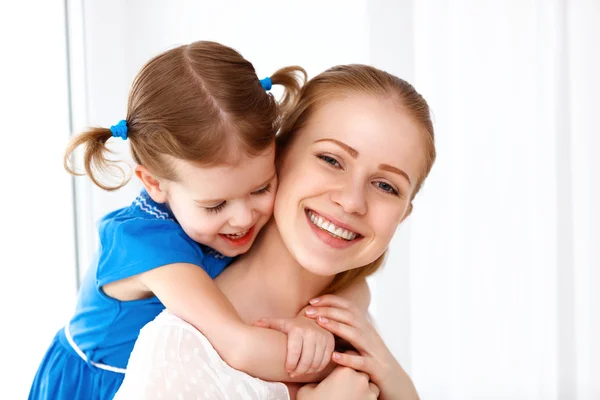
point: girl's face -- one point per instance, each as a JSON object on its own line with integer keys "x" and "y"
{"x": 224, "y": 207}
{"x": 345, "y": 182}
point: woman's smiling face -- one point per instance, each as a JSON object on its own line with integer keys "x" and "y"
{"x": 346, "y": 181}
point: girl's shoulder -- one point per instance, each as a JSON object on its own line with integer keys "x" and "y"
{"x": 143, "y": 210}
{"x": 142, "y": 218}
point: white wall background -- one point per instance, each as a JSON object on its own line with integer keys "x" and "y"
{"x": 37, "y": 252}
{"x": 504, "y": 271}
{"x": 491, "y": 290}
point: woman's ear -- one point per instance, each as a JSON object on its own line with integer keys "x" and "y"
{"x": 151, "y": 184}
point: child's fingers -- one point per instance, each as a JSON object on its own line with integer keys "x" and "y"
{"x": 294, "y": 350}
{"x": 356, "y": 362}
{"x": 308, "y": 353}
{"x": 328, "y": 352}
{"x": 339, "y": 314}
{"x": 277, "y": 324}
{"x": 318, "y": 358}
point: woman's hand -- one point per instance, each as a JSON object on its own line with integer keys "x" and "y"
{"x": 342, "y": 384}
{"x": 344, "y": 320}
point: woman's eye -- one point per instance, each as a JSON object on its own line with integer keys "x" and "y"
{"x": 330, "y": 160}
{"x": 264, "y": 190}
{"x": 215, "y": 209}
{"x": 386, "y": 187}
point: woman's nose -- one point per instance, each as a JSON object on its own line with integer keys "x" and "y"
{"x": 351, "y": 198}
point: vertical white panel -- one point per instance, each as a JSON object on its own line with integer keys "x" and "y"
{"x": 483, "y": 277}
{"x": 583, "y": 26}
{"x": 37, "y": 284}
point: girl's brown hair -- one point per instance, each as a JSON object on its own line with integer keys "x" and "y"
{"x": 346, "y": 80}
{"x": 201, "y": 103}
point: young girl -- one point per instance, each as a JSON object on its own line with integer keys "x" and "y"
{"x": 202, "y": 133}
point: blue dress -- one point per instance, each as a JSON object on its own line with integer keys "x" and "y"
{"x": 88, "y": 357}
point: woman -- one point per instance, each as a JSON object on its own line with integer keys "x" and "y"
{"x": 352, "y": 155}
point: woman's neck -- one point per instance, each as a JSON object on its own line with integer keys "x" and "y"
{"x": 267, "y": 281}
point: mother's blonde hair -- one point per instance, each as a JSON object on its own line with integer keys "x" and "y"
{"x": 346, "y": 80}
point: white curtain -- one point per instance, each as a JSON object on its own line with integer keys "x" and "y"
{"x": 501, "y": 255}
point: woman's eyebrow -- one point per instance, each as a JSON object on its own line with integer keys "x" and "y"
{"x": 352, "y": 151}
{"x": 387, "y": 167}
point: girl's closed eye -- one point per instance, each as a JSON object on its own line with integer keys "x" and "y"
{"x": 215, "y": 209}
{"x": 264, "y": 190}
{"x": 220, "y": 206}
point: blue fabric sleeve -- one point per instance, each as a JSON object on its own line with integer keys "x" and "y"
{"x": 137, "y": 245}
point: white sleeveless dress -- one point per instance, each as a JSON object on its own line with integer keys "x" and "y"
{"x": 173, "y": 360}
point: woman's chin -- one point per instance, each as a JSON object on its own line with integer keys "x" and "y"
{"x": 318, "y": 266}
{"x": 323, "y": 271}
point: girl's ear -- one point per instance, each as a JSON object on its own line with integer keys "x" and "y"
{"x": 151, "y": 184}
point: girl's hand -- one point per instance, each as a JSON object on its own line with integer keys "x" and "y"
{"x": 309, "y": 347}
{"x": 343, "y": 319}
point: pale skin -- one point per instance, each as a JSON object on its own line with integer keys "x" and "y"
{"x": 365, "y": 182}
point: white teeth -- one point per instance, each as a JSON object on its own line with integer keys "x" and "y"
{"x": 236, "y": 235}
{"x": 331, "y": 227}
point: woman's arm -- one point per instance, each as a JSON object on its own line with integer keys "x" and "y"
{"x": 188, "y": 292}
{"x": 342, "y": 319}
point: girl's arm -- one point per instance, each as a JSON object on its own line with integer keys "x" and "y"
{"x": 188, "y": 292}
{"x": 309, "y": 347}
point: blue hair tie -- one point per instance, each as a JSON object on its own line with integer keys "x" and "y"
{"x": 266, "y": 83}
{"x": 120, "y": 129}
